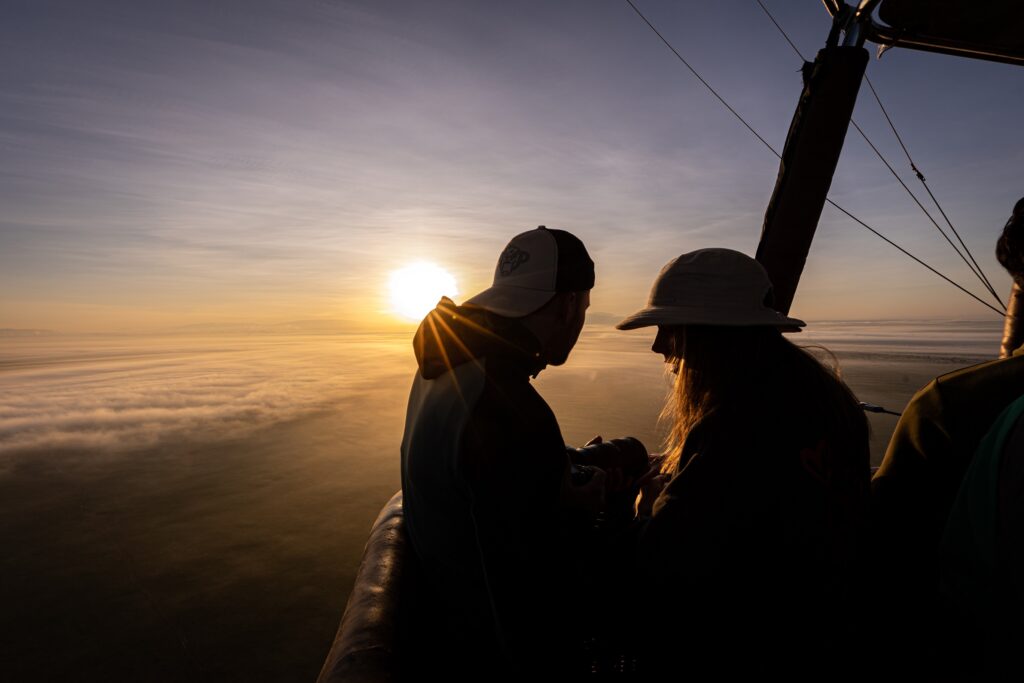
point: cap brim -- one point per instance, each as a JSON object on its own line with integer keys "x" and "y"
{"x": 670, "y": 316}
{"x": 511, "y": 302}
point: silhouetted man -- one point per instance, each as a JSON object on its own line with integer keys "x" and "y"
{"x": 489, "y": 505}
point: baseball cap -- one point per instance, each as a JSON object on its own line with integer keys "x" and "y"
{"x": 535, "y": 266}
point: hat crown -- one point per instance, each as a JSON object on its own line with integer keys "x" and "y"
{"x": 712, "y": 277}
{"x": 529, "y": 261}
{"x": 711, "y": 287}
{"x": 533, "y": 267}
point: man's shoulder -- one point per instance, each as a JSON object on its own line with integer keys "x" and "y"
{"x": 993, "y": 374}
{"x": 512, "y": 398}
{"x": 510, "y": 420}
{"x": 962, "y": 388}
{"x": 946, "y": 417}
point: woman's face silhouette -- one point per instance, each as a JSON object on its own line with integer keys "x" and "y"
{"x": 670, "y": 342}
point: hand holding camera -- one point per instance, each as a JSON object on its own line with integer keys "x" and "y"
{"x": 625, "y": 459}
{"x": 584, "y": 489}
{"x": 626, "y": 466}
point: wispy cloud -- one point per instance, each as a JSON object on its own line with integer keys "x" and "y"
{"x": 124, "y": 395}
{"x": 194, "y": 156}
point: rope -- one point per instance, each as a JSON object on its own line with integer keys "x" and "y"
{"x": 779, "y": 156}
{"x": 920, "y": 176}
{"x": 975, "y": 268}
{"x": 955, "y": 284}
{"x": 872, "y": 408}
{"x": 699, "y": 78}
{"x": 791, "y": 43}
{"x": 977, "y": 271}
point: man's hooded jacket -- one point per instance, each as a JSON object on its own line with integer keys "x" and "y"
{"x": 483, "y": 463}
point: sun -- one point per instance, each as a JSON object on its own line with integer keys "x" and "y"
{"x": 416, "y": 288}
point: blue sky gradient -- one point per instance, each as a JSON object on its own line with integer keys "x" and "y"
{"x": 192, "y": 162}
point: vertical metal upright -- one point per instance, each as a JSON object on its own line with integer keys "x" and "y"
{"x": 813, "y": 145}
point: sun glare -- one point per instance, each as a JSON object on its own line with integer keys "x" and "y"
{"x": 415, "y": 289}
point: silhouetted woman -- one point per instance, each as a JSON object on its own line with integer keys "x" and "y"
{"x": 749, "y": 561}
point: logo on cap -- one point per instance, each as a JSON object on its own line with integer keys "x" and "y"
{"x": 512, "y": 258}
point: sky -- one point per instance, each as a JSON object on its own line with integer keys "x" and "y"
{"x": 267, "y": 161}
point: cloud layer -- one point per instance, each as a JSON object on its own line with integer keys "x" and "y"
{"x": 124, "y": 396}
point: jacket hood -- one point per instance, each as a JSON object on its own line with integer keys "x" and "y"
{"x": 451, "y": 335}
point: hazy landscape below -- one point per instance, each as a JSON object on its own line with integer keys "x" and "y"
{"x": 193, "y": 507}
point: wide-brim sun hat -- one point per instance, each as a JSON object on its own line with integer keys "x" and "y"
{"x": 711, "y": 287}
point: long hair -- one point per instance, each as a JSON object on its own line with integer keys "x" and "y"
{"x": 738, "y": 369}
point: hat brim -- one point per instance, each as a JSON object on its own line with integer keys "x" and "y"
{"x": 511, "y": 302}
{"x": 671, "y": 315}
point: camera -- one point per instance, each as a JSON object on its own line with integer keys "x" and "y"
{"x": 580, "y": 474}
{"x": 627, "y": 454}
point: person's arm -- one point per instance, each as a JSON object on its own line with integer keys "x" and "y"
{"x": 906, "y": 519}
{"x": 904, "y": 528}
{"x": 1010, "y": 518}
{"x": 514, "y": 467}
{"x": 919, "y": 439}
{"x": 685, "y": 535}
